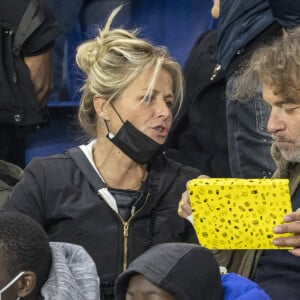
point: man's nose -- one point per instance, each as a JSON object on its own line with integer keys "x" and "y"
{"x": 275, "y": 122}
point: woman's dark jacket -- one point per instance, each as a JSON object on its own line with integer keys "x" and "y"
{"x": 63, "y": 198}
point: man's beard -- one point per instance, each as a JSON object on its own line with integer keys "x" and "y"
{"x": 289, "y": 148}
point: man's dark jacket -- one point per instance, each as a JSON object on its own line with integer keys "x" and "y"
{"x": 199, "y": 136}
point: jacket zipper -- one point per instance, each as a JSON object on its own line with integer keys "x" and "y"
{"x": 126, "y": 229}
{"x": 10, "y": 59}
{"x": 215, "y": 72}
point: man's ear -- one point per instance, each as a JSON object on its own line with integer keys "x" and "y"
{"x": 26, "y": 284}
{"x": 101, "y": 107}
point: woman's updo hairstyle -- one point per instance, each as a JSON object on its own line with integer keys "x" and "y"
{"x": 112, "y": 61}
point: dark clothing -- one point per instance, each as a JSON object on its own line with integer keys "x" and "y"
{"x": 18, "y": 102}
{"x": 12, "y": 147}
{"x": 187, "y": 272}
{"x": 240, "y": 59}
{"x": 239, "y": 23}
{"x": 286, "y": 13}
{"x": 11, "y": 13}
{"x": 58, "y": 195}
{"x": 277, "y": 270}
{"x": 19, "y": 107}
{"x": 278, "y": 273}
{"x": 199, "y": 137}
{"x": 243, "y": 27}
{"x": 10, "y": 174}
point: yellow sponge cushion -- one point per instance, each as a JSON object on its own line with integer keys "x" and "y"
{"x": 231, "y": 213}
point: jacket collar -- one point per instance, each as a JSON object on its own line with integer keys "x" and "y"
{"x": 286, "y": 169}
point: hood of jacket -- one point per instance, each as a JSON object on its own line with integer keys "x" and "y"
{"x": 239, "y": 23}
{"x": 73, "y": 274}
{"x": 186, "y": 271}
{"x": 286, "y": 13}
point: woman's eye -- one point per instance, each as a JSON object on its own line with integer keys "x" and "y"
{"x": 169, "y": 103}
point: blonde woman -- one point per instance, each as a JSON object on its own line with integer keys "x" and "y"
{"x": 118, "y": 195}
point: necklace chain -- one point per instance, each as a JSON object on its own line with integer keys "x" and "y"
{"x": 136, "y": 187}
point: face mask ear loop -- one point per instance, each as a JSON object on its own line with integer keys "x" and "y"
{"x": 117, "y": 113}
{"x": 108, "y": 131}
{"x": 11, "y": 283}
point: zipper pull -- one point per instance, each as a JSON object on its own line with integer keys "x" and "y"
{"x": 215, "y": 72}
{"x": 125, "y": 231}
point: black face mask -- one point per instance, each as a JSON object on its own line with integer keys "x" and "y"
{"x": 135, "y": 144}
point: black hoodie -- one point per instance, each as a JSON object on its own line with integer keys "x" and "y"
{"x": 186, "y": 271}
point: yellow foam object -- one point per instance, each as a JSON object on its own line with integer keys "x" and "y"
{"x": 231, "y": 213}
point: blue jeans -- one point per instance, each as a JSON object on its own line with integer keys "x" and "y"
{"x": 249, "y": 143}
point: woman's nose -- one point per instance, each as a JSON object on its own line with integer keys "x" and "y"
{"x": 163, "y": 108}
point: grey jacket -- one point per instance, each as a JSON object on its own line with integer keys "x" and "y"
{"x": 73, "y": 274}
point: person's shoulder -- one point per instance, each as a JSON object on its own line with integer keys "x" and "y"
{"x": 52, "y": 161}
{"x": 183, "y": 169}
{"x": 50, "y": 158}
{"x": 207, "y": 38}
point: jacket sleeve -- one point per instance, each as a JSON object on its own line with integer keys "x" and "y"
{"x": 42, "y": 38}
{"x": 27, "y": 196}
{"x": 190, "y": 235}
{"x": 11, "y": 12}
{"x": 239, "y": 287}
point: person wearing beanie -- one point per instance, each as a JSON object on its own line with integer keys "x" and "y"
{"x": 172, "y": 271}
{"x": 181, "y": 271}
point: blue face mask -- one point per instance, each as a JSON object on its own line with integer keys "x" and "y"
{"x": 10, "y": 284}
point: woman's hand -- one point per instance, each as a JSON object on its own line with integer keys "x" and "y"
{"x": 184, "y": 207}
{"x": 292, "y": 225}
